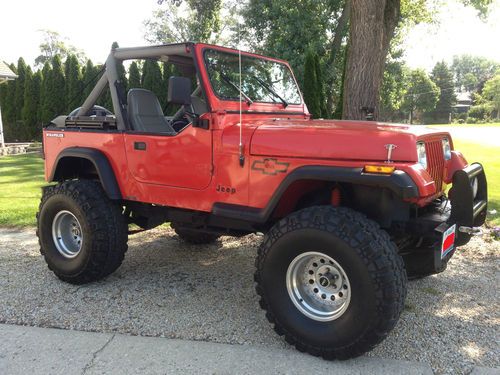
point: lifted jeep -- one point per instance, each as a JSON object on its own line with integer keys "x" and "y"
{"x": 348, "y": 209}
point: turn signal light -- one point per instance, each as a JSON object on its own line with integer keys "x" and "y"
{"x": 383, "y": 169}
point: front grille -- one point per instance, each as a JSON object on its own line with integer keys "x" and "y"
{"x": 435, "y": 162}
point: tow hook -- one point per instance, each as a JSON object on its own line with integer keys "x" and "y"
{"x": 474, "y": 231}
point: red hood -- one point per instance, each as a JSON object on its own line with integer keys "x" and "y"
{"x": 335, "y": 139}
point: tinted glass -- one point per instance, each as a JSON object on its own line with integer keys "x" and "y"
{"x": 259, "y": 78}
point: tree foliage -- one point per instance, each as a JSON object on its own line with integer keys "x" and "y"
{"x": 491, "y": 93}
{"x": 284, "y": 29}
{"x": 287, "y": 29}
{"x": 43, "y": 112}
{"x": 472, "y": 72}
{"x": 190, "y": 20}
{"x": 54, "y": 44}
{"x": 20, "y": 81}
{"x": 311, "y": 92}
{"x": 151, "y": 77}
{"x": 73, "y": 83}
{"x": 422, "y": 94}
{"x": 442, "y": 76}
{"x": 29, "y": 110}
{"x": 134, "y": 76}
{"x": 58, "y": 88}
{"x": 394, "y": 86}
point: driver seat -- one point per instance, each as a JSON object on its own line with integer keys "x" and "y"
{"x": 145, "y": 113}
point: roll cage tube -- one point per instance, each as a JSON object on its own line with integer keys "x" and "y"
{"x": 110, "y": 76}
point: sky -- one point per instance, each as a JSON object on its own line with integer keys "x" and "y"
{"x": 90, "y": 25}
{"x": 457, "y": 31}
{"x": 93, "y": 25}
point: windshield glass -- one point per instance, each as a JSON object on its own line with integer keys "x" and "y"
{"x": 261, "y": 80}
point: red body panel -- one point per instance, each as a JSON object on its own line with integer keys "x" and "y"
{"x": 197, "y": 167}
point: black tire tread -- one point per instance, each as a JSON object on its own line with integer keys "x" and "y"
{"x": 108, "y": 228}
{"x": 376, "y": 249}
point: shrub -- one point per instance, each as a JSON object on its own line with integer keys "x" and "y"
{"x": 480, "y": 113}
{"x": 460, "y": 118}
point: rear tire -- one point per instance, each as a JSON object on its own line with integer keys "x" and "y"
{"x": 300, "y": 305}
{"x": 196, "y": 237}
{"x": 82, "y": 233}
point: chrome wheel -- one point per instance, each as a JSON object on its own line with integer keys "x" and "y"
{"x": 318, "y": 286}
{"x": 67, "y": 234}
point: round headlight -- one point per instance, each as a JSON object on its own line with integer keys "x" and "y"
{"x": 446, "y": 149}
{"x": 474, "y": 186}
{"x": 421, "y": 154}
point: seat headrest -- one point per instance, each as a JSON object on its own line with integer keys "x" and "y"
{"x": 143, "y": 102}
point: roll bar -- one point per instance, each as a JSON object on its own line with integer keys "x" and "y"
{"x": 110, "y": 75}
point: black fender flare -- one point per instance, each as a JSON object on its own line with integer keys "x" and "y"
{"x": 101, "y": 164}
{"x": 398, "y": 182}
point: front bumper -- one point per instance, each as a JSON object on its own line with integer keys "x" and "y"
{"x": 467, "y": 210}
{"x": 464, "y": 209}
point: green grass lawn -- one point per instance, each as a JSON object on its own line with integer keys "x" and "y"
{"x": 21, "y": 177}
{"x": 488, "y": 157}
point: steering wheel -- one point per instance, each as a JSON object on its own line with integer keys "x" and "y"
{"x": 182, "y": 118}
{"x": 183, "y": 111}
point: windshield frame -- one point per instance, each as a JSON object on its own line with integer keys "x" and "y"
{"x": 248, "y": 55}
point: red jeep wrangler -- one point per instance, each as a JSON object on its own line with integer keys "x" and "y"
{"x": 349, "y": 209}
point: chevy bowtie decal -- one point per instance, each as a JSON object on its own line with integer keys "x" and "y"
{"x": 270, "y": 166}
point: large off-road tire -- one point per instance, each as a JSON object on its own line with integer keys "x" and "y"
{"x": 196, "y": 237}
{"x": 82, "y": 233}
{"x": 320, "y": 252}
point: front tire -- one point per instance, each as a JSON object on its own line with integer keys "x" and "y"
{"x": 82, "y": 233}
{"x": 331, "y": 281}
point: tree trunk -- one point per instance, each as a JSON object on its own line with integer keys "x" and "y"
{"x": 372, "y": 26}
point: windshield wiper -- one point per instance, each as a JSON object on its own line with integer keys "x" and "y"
{"x": 271, "y": 90}
{"x": 231, "y": 83}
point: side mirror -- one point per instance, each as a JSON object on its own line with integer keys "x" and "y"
{"x": 202, "y": 123}
{"x": 179, "y": 90}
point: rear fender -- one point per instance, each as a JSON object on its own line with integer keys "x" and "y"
{"x": 71, "y": 157}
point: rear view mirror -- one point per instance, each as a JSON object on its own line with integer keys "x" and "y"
{"x": 179, "y": 90}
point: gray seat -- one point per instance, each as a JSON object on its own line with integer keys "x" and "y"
{"x": 145, "y": 113}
